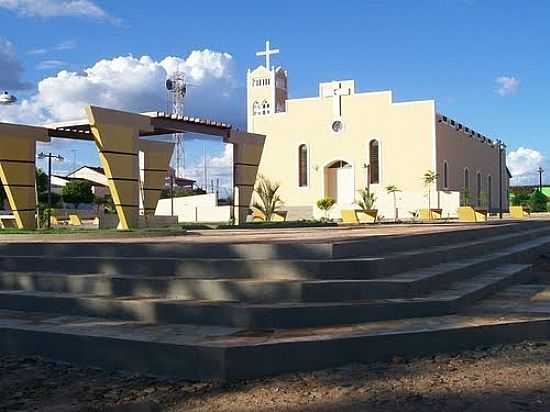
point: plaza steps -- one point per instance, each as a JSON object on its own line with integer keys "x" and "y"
{"x": 257, "y": 310}
{"x": 207, "y": 353}
{"x": 267, "y": 316}
{"x": 367, "y": 267}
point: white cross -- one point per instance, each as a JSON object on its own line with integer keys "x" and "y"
{"x": 267, "y": 53}
{"x": 337, "y": 94}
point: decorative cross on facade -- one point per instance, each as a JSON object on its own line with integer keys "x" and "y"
{"x": 337, "y": 94}
{"x": 267, "y": 53}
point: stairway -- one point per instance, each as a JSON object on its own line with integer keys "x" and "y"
{"x": 232, "y": 311}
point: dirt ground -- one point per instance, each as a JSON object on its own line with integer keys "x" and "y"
{"x": 502, "y": 378}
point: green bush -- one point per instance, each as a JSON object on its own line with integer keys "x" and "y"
{"x": 538, "y": 201}
{"x": 325, "y": 205}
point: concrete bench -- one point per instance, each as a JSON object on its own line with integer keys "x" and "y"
{"x": 468, "y": 214}
{"x": 431, "y": 214}
{"x": 519, "y": 212}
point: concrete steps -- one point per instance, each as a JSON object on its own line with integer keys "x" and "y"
{"x": 212, "y": 353}
{"x": 263, "y": 316}
{"x": 274, "y": 269}
{"x": 227, "y": 312}
{"x": 270, "y": 289}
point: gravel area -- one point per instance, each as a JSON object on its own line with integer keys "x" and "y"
{"x": 501, "y": 378}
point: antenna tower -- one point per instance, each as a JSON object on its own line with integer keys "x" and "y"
{"x": 176, "y": 85}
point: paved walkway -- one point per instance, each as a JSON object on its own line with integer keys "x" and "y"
{"x": 283, "y": 235}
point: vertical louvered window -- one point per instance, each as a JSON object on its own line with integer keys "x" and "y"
{"x": 374, "y": 162}
{"x": 302, "y": 165}
{"x": 445, "y": 175}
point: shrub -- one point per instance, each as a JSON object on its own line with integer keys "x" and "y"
{"x": 325, "y": 205}
{"x": 538, "y": 201}
{"x": 366, "y": 199}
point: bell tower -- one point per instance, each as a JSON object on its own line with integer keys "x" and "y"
{"x": 267, "y": 88}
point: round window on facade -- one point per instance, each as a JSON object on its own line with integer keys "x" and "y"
{"x": 337, "y": 126}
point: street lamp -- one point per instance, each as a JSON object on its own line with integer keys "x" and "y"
{"x": 50, "y": 156}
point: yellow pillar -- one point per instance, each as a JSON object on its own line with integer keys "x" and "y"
{"x": 247, "y": 153}
{"x": 156, "y": 159}
{"x": 18, "y": 170}
{"x": 116, "y": 135}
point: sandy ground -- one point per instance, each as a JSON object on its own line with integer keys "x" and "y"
{"x": 502, "y": 378}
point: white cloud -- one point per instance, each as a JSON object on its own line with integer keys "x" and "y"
{"x": 507, "y": 85}
{"x": 523, "y": 164}
{"x": 64, "y": 45}
{"x": 56, "y": 8}
{"x": 11, "y": 70}
{"x": 50, "y": 64}
{"x": 135, "y": 84}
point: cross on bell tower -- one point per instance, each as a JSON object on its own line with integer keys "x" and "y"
{"x": 268, "y": 52}
{"x": 267, "y": 89}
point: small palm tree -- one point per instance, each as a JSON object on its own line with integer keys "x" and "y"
{"x": 269, "y": 199}
{"x": 393, "y": 190}
{"x": 429, "y": 178}
{"x": 366, "y": 199}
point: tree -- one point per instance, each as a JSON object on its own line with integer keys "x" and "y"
{"x": 325, "y": 205}
{"x": 538, "y": 201}
{"x": 429, "y": 178}
{"x": 366, "y": 199}
{"x": 41, "y": 182}
{"x": 77, "y": 192}
{"x": 269, "y": 199}
{"x": 521, "y": 197}
{"x": 393, "y": 190}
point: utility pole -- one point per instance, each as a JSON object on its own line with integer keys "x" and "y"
{"x": 541, "y": 171}
{"x": 50, "y": 156}
{"x": 499, "y": 145}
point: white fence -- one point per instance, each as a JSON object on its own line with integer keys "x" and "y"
{"x": 199, "y": 208}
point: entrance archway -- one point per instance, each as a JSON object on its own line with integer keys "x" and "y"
{"x": 339, "y": 183}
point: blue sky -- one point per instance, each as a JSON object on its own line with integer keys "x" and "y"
{"x": 449, "y": 50}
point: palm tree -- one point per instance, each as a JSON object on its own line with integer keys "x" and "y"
{"x": 366, "y": 199}
{"x": 393, "y": 190}
{"x": 429, "y": 178}
{"x": 269, "y": 199}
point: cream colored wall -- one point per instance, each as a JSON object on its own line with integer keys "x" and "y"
{"x": 405, "y": 132}
{"x": 461, "y": 150}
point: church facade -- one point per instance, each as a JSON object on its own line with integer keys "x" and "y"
{"x": 341, "y": 141}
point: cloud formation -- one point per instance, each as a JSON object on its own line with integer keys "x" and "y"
{"x": 135, "y": 84}
{"x": 56, "y": 8}
{"x": 65, "y": 45}
{"x": 523, "y": 164}
{"x": 507, "y": 85}
{"x": 11, "y": 70}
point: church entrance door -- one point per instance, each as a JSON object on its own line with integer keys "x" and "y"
{"x": 339, "y": 182}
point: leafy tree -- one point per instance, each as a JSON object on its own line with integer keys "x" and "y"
{"x": 55, "y": 197}
{"x": 41, "y": 181}
{"x": 429, "y": 178}
{"x": 538, "y": 201}
{"x": 77, "y": 192}
{"x": 367, "y": 199}
{"x": 393, "y": 190}
{"x": 521, "y": 197}
{"x": 269, "y": 200}
{"x": 325, "y": 205}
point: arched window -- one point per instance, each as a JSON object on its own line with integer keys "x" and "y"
{"x": 445, "y": 175}
{"x": 374, "y": 162}
{"x": 478, "y": 189}
{"x": 256, "y": 109}
{"x": 302, "y": 166}
{"x": 265, "y": 107}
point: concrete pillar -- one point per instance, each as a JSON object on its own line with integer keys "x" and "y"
{"x": 247, "y": 153}
{"x": 116, "y": 135}
{"x": 18, "y": 170}
{"x": 156, "y": 160}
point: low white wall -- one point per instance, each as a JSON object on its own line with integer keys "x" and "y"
{"x": 199, "y": 208}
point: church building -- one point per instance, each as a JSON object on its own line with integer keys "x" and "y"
{"x": 342, "y": 141}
